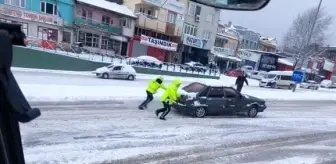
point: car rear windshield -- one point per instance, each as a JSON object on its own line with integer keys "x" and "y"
{"x": 194, "y": 87}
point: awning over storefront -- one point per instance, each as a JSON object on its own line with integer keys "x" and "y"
{"x": 119, "y": 38}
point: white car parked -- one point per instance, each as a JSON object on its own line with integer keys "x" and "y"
{"x": 328, "y": 84}
{"x": 116, "y": 71}
{"x": 311, "y": 84}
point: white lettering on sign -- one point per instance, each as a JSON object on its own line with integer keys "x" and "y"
{"x": 193, "y": 41}
{"x": 27, "y": 15}
{"x": 158, "y": 43}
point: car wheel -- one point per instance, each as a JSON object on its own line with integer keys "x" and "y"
{"x": 200, "y": 112}
{"x": 253, "y": 111}
{"x": 130, "y": 77}
{"x": 274, "y": 85}
{"x": 290, "y": 86}
{"x": 105, "y": 76}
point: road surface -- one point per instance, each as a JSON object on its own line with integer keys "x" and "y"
{"x": 118, "y": 133}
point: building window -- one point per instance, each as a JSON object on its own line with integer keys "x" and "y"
{"x": 48, "y": 8}
{"x": 86, "y": 14}
{"x": 47, "y": 34}
{"x": 18, "y": 3}
{"x": 171, "y": 17}
{"x": 142, "y": 10}
{"x": 210, "y": 18}
{"x": 89, "y": 39}
{"x": 191, "y": 9}
{"x": 106, "y": 20}
{"x": 206, "y": 35}
{"x": 126, "y": 22}
{"x": 190, "y": 29}
{"x": 66, "y": 37}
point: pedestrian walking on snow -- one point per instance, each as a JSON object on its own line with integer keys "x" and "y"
{"x": 240, "y": 82}
{"x": 169, "y": 97}
{"x": 152, "y": 88}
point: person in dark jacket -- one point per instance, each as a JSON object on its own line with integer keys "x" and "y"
{"x": 153, "y": 87}
{"x": 240, "y": 82}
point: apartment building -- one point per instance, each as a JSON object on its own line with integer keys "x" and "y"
{"x": 199, "y": 32}
{"x": 158, "y": 28}
{"x": 268, "y": 44}
{"x": 105, "y": 27}
{"x": 50, "y": 20}
{"x": 248, "y": 38}
{"x": 225, "y": 47}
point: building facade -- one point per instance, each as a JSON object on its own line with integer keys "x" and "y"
{"x": 104, "y": 27}
{"x": 158, "y": 28}
{"x": 46, "y": 20}
{"x": 248, "y": 38}
{"x": 268, "y": 44}
{"x": 225, "y": 47}
{"x": 199, "y": 32}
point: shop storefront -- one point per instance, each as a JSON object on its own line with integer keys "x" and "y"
{"x": 193, "y": 50}
{"x": 249, "y": 58}
{"x": 145, "y": 45}
{"x": 225, "y": 59}
{"x": 102, "y": 42}
{"x": 48, "y": 29}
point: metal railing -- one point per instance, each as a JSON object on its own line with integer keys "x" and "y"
{"x": 76, "y": 51}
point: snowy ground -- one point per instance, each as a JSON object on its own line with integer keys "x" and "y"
{"x": 46, "y": 85}
{"x": 117, "y": 133}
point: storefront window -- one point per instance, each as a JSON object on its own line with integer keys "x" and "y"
{"x": 47, "y": 34}
{"x": 110, "y": 44}
{"x": 66, "y": 37}
{"x": 18, "y": 3}
{"x": 89, "y": 39}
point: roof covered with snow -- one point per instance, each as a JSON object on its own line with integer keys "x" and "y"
{"x": 111, "y": 6}
{"x": 285, "y": 61}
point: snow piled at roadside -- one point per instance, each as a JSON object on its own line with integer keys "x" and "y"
{"x": 39, "y": 92}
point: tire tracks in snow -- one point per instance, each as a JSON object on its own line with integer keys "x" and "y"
{"x": 232, "y": 152}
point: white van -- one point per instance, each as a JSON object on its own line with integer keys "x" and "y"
{"x": 277, "y": 79}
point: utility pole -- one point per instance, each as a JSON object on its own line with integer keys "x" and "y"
{"x": 309, "y": 37}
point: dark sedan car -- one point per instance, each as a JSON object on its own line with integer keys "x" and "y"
{"x": 200, "y": 100}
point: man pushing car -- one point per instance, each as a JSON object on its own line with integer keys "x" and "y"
{"x": 153, "y": 87}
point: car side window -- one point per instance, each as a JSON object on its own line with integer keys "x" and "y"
{"x": 230, "y": 93}
{"x": 117, "y": 68}
{"x": 216, "y": 92}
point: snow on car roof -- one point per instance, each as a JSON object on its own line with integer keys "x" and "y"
{"x": 214, "y": 84}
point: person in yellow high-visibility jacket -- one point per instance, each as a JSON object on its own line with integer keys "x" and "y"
{"x": 152, "y": 88}
{"x": 169, "y": 97}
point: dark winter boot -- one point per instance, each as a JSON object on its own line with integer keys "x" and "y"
{"x": 162, "y": 118}
{"x": 141, "y": 107}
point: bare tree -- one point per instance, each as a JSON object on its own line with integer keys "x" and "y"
{"x": 296, "y": 39}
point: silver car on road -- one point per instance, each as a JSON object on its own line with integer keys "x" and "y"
{"x": 116, "y": 71}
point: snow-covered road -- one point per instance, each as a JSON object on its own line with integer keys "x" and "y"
{"x": 79, "y": 86}
{"x": 116, "y": 132}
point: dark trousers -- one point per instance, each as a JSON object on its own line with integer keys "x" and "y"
{"x": 239, "y": 88}
{"x": 165, "y": 110}
{"x": 148, "y": 99}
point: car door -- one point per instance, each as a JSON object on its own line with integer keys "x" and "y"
{"x": 215, "y": 100}
{"x": 232, "y": 99}
{"x": 116, "y": 72}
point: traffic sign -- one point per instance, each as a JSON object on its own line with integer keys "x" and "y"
{"x": 297, "y": 76}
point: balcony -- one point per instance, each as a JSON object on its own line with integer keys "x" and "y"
{"x": 98, "y": 25}
{"x": 151, "y": 23}
{"x": 172, "y": 29}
